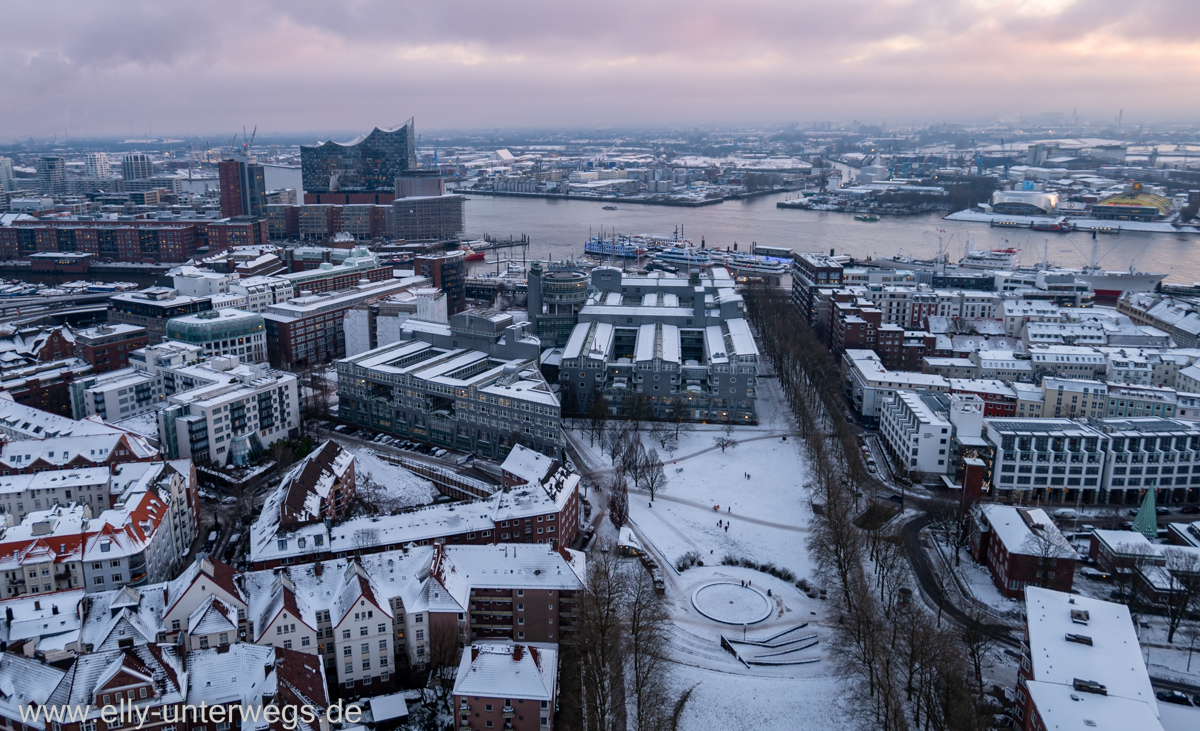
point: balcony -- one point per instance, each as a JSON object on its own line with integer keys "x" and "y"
{"x": 464, "y": 710}
{"x": 509, "y": 712}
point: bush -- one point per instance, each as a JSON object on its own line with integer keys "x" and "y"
{"x": 688, "y": 560}
{"x": 766, "y": 567}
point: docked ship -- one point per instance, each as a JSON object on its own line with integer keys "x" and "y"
{"x": 992, "y": 259}
{"x": 754, "y": 265}
{"x": 619, "y": 247}
{"x": 684, "y": 256}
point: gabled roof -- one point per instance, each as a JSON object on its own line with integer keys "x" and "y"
{"x": 355, "y": 585}
{"x": 212, "y": 616}
{"x": 206, "y": 568}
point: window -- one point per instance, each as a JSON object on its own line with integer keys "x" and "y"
{"x": 305, "y": 641}
{"x": 347, "y": 650}
{"x": 345, "y": 634}
{"x": 350, "y": 669}
{"x": 363, "y": 631}
{"x": 382, "y": 628}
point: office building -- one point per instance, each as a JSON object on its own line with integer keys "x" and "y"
{"x": 96, "y": 166}
{"x": 1151, "y": 452}
{"x": 360, "y": 265}
{"x": 137, "y": 166}
{"x": 1055, "y": 459}
{"x": 676, "y": 347}
{"x": 428, "y": 218}
{"x": 447, "y": 272}
{"x": 243, "y": 187}
{"x": 380, "y": 322}
{"x": 125, "y": 239}
{"x": 363, "y": 170}
{"x": 51, "y": 176}
{"x": 226, "y": 331}
{"x": 454, "y": 397}
{"x": 117, "y": 395}
{"x": 557, "y": 293}
{"x": 151, "y": 308}
{"x": 8, "y": 181}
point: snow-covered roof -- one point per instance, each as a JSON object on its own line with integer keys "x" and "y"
{"x": 1074, "y": 637}
{"x": 507, "y": 670}
{"x": 1064, "y": 709}
{"x": 25, "y": 682}
{"x": 37, "y": 615}
{"x": 388, "y": 707}
{"x": 19, "y": 421}
{"x": 1019, "y": 529}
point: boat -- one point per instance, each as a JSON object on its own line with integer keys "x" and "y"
{"x": 751, "y": 264}
{"x": 621, "y": 247}
{"x": 868, "y": 217}
{"x": 990, "y": 259}
{"x": 685, "y": 256}
{"x": 1056, "y": 227}
{"x": 471, "y": 254}
{"x": 610, "y": 208}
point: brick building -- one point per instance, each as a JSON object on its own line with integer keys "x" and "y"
{"x": 1021, "y": 547}
{"x": 107, "y": 347}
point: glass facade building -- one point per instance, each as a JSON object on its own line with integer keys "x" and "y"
{"x": 368, "y": 163}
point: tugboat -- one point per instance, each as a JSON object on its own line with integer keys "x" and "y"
{"x": 868, "y": 217}
{"x": 610, "y": 208}
{"x": 1059, "y": 226}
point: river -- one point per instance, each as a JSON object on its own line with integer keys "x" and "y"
{"x": 558, "y": 228}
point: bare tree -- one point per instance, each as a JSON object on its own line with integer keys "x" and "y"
{"x": 654, "y": 477}
{"x": 615, "y": 440}
{"x": 618, "y": 501}
{"x": 664, "y": 433}
{"x": 444, "y": 646}
{"x": 602, "y": 642}
{"x": 678, "y": 417}
{"x": 724, "y": 443}
{"x": 647, "y": 666}
{"x": 1183, "y": 571}
{"x": 1048, "y": 545}
{"x": 979, "y": 637}
{"x": 596, "y": 419}
{"x": 633, "y": 460}
{"x": 375, "y": 497}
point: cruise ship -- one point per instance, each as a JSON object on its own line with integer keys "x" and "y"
{"x": 620, "y": 247}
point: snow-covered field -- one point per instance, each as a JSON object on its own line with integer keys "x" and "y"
{"x": 769, "y": 520}
{"x": 403, "y": 487}
{"x": 768, "y": 514}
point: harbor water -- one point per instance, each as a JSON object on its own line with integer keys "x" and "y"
{"x": 558, "y": 228}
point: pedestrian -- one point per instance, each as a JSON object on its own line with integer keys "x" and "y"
{"x": 726, "y": 527}
{"x": 649, "y": 505}
{"x": 749, "y": 583}
{"x": 728, "y": 508}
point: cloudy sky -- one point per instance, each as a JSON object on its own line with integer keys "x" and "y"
{"x": 96, "y": 67}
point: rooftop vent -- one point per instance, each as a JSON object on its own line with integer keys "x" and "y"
{"x": 1079, "y": 639}
{"x": 1080, "y": 616}
{"x": 1089, "y": 686}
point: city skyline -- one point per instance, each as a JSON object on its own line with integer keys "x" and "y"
{"x": 146, "y": 69}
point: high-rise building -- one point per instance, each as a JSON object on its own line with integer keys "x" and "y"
{"x": 52, "y": 175}
{"x": 428, "y": 218}
{"x": 7, "y": 181}
{"x": 363, "y": 170}
{"x": 96, "y": 165}
{"x": 243, "y": 187}
{"x": 136, "y": 166}
{"x": 448, "y": 272}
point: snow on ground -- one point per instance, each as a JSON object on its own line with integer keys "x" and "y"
{"x": 407, "y": 489}
{"x": 731, "y": 695}
{"x": 768, "y": 515}
{"x": 769, "y": 520}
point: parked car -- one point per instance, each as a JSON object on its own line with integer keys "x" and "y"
{"x": 440, "y": 453}
{"x": 1127, "y": 525}
{"x": 1173, "y": 696}
{"x": 1190, "y": 509}
{"x": 1066, "y": 513}
{"x": 1096, "y": 574}
{"x": 872, "y": 468}
{"x": 229, "y": 500}
{"x": 1087, "y": 528}
{"x": 206, "y": 495}
{"x": 341, "y": 428}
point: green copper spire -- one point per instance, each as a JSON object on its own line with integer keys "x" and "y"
{"x": 1146, "y": 521}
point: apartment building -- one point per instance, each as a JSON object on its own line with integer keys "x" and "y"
{"x": 1048, "y": 457}
{"x": 506, "y": 685}
{"x": 1021, "y": 547}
